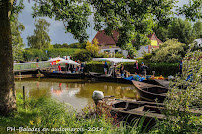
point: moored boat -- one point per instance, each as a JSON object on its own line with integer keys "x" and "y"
{"x": 150, "y": 92}
{"x": 63, "y": 75}
{"x": 128, "y": 110}
{"x": 105, "y": 78}
{"x": 164, "y": 83}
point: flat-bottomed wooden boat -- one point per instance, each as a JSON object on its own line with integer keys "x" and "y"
{"x": 63, "y": 75}
{"x": 150, "y": 92}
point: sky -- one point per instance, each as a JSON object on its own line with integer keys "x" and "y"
{"x": 56, "y": 29}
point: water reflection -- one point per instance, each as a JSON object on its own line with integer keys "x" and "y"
{"x": 74, "y": 92}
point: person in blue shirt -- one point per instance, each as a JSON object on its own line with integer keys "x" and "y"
{"x": 180, "y": 66}
{"x": 122, "y": 71}
{"x": 143, "y": 70}
{"x": 82, "y": 67}
{"x": 105, "y": 67}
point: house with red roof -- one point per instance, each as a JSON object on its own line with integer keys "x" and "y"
{"x": 108, "y": 43}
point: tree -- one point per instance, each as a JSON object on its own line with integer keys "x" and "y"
{"x": 170, "y": 51}
{"x": 75, "y": 45}
{"x": 78, "y": 45}
{"x": 82, "y": 55}
{"x": 197, "y": 29}
{"x": 17, "y": 41}
{"x": 7, "y": 90}
{"x": 192, "y": 10}
{"x": 181, "y": 30}
{"x": 93, "y": 48}
{"x": 73, "y": 13}
{"x": 40, "y": 39}
{"x": 184, "y": 97}
{"x": 161, "y": 32}
{"x": 132, "y": 19}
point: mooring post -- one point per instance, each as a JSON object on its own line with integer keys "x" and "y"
{"x": 24, "y": 96}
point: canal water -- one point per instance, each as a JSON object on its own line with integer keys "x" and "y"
{"x": 77, "y": 93}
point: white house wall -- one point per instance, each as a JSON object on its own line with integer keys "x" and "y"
{"x": 112, "y": 50}
{"x": 198, "y": 42}
{"x": 142, "y": 50}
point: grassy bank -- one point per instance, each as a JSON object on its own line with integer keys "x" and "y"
{"x": 48, "y": 116}
{"x": 45, "y": 115}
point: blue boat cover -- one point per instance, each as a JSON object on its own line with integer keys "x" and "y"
{"x": 136, "y": 78}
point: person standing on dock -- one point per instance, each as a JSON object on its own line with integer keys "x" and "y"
{"x": 122, "y": 71}
{"x": 114, "y": 71}
{"x": 37, "y": 62}
{"x": 143, "y": 70}
{"x": 136, "y": 67}
{"x": 82, "y": 67}
{"x": 59, "y": 68}
{"x": 105, "y": 67}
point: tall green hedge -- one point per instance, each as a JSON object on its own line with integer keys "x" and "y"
{"x": 164, "y": 69}
{"x": 95, "y": 67}
{"x": 31, "y": 54}
{"x": 62, "y": 52}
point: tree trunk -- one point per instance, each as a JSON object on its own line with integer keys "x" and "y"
{"x": 7, "y": 90}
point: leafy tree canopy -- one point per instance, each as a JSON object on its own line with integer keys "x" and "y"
{"x": 181, "y": 30}
{"x": 17, "y": 41}
{"x": 170, "y": 51}
{"x": 73, "y": 13}
{"x": 93, "y": 48}
{"x": 197, "y": 29}
{"x": 40, "y": 39}
{"x": 192, "y": 10}
{"x": 64, "y": 45}
{"x": 75, "y": 45}
{"x": 16, "y": 30}
{"x": 133, "y": 19}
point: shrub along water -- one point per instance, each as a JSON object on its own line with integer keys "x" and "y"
{"x": 185, "y": 95}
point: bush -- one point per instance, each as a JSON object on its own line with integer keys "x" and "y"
{"x": 170, "y": 51}
{"x": 119, "y": 55}
{"x": 164, "y": 69}
{"x": 61, "y": 52}
{"x": 93, "y": 48}
{"x": 31, "y": 54}
{"x": 184, "y": 98}
{"x": 82, "y": 55}
{"x": 95, "y": 66}
{"x": 147, "y": 56}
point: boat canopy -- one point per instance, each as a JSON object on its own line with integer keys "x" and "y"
{"x": 56, "y": 59}
{"x": 69, "y": 62}
{"x": 115, "y": 60}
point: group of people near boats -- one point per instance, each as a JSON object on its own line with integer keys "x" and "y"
{"x": 72, "y": 68}
{"x": 119, "y": 71}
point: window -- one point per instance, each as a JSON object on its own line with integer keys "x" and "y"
{"x": 107, "y": 51}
